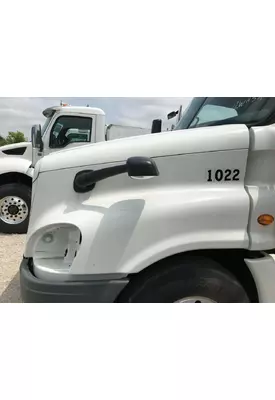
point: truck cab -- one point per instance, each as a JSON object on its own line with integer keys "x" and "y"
{"x": 216, "y": 111}
{"x": 185, "y": 216}
{"x": 67, "y": 127}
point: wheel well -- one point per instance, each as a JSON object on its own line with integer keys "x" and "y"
{"x": 232, "y": 260}
{"x": 15, "y": 177}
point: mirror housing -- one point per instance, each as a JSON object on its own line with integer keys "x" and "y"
{"x": 156, "y": 126}
{"x": 37, "y": 141}
{"x": 172, "y": 114}
{"x": 141, "y": 167}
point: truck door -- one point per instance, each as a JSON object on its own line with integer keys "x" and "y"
{"x": 67, "y": 131}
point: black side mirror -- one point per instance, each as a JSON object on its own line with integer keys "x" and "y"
{"x": 156, "y": 126}
{"x": 141, "y": 167}
{"x": 172, "y": 114}
{"x": 37, "y": 141}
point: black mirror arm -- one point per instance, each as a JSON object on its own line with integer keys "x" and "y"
{"x": 85, "y": 180}
{"x": 41, "y": 148}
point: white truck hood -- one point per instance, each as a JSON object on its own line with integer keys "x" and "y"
{"x": 14, "y": 150}
{"x": 219, "y": 138}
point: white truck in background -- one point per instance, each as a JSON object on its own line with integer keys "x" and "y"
{"x": 65, "y": 127}
{"x": 185, "y": 216}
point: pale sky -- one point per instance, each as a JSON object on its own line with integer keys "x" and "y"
{"x": 20, "y": 113}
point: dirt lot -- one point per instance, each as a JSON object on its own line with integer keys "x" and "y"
{"x": 11, "y": 250}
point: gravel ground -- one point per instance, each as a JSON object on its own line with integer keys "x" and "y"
{"x": 11, "y": 251}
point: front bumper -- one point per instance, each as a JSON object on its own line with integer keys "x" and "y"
{"x": 34, "y": 290}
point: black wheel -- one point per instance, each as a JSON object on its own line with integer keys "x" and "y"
{"x": 185, "y": 280}
{"x": 15, "y": 204}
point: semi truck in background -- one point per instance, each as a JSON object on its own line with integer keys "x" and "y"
{"x": 185, "y": 216}
{"x": 65, "y": 127}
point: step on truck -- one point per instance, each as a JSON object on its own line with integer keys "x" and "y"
{"x": 185, "y": 216}
{"x": 65, "y": 127}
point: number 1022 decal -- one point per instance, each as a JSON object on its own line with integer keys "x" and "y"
{"x": 221, "y": 175}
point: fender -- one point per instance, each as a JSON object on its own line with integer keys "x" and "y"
{"x": 127, "y": 229}
{"x": 15, "y": 164}
{"x": 197, "y": 202}
{"x": 135, "y": 233}
{"x": 126, "y": 236}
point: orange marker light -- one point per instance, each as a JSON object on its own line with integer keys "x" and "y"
{"x": 265, "y": 219}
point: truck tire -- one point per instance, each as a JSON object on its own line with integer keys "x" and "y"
{"x": 186, "y": 280}
{"x": 15, "y": 204}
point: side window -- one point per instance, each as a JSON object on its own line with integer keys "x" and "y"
{"x": 68, "y": 129}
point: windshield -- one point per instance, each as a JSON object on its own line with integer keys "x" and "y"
{"x": 211, "y": 111}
